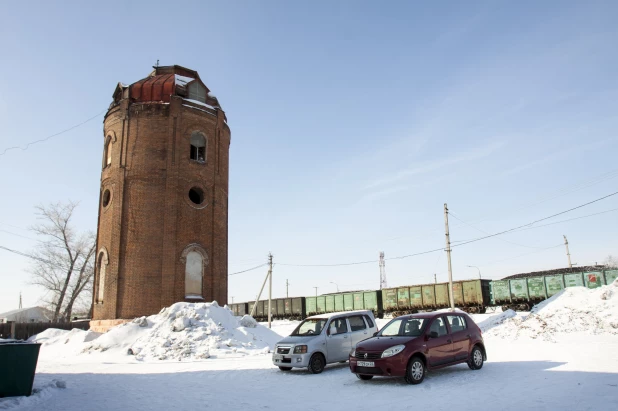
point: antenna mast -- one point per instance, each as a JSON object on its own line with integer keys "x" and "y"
{"x": 382, "y": 271}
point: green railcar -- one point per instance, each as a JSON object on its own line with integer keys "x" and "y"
{"x": 501, "y": 292}
{"x": 610, "y": 276}
{"x": 458, "y": 294}
{"x": 574, "y": 280}
{"x": 339, "y": 302}
{"x": 312, "y": 307}
{"x": 321, "y": 304}
{"x": 389, "y": 299}
{"x": 553, "y": 284}
{"x": 594, "y": 279}
{"x": 348, "y": 302}
{"x": 536, "y": 288}
{"x": 299, "y": 308}
{"x": 442, "y": 295}
{"x": 330, "y": 303}
{"x": 429, "y": 296}
{"x": 358, "y": 301}
{"x": 416, "y": 297}
{"x": 403, "y": 298}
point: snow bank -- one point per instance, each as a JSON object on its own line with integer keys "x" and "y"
{"x": 40, "y": 394}
{"x": 187, "y": 331}
{"x": 573, "y": 310}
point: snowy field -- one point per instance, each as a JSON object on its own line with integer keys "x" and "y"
{"x": 562, "y": 355}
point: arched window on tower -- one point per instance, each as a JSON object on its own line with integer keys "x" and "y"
{"x": 198, "y": 147}
{"x": 197, "y": 92}
{"x": 193, "y": 275}
{"x": 108, "y": 152}
{"x": 102, "y": 262}
{"x": 195, "y": 259}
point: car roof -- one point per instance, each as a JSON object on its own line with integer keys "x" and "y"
{"x": 330, "y": 315}
{"x": 432, "y": 314}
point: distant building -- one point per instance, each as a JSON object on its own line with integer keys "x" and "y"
{"x": 162, "y": 233}
{"x": 27, "y": 315}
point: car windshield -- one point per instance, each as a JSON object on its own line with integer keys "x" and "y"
{"x": 311, "y": 326}
{"x": 403, "y": 327}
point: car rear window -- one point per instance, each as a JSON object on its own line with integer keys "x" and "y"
{"x": 369, "y": 322}
{"x": 356, "y": 323}
{"x": 457, "y": 323}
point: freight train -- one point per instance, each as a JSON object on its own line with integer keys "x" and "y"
{"x": 517, "y": 292}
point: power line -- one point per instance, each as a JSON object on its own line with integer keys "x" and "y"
{"x": 485, "y": 232}
{"x": 249, "y": 269}
{"x": 536, "y": 221}
{"x": 53, "y": 135}
{"x": 454, "y": 245}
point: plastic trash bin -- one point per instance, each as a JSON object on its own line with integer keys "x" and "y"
{"x": 17, "y": 364}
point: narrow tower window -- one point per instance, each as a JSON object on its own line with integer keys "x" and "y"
{"x": 198, "y": 147}
{"x": 193, "y": 275}
{"x": 197, "y": 92}
{"x": 108, "y": 152}
{"x": 102, "y": 265}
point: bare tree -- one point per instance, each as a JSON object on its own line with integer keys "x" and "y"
{"x": 63, "y": 264}
{"x": 611, "y": 261}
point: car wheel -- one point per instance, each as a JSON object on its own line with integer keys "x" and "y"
{"x": 415, "y": 373}
{"x": 475, "y": 362}
{"x": 364, "y": 377}
{"x": 285, "y": 368}
{"x": 316, "y": 363}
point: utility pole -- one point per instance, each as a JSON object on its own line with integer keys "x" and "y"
{"x": 20, "y": 305}
{"x": 316, "y": 291}
{"x": 270, "y": 287}
{"x": 287, "y": 285}
{"x": 566, "y": 244}
{"x": 382, "y": 271}
{"x": 232, "y": 299}
{"x": 435, "y": 278}
{"x": 448, "y": 254}
{"x": 268, "y": 275}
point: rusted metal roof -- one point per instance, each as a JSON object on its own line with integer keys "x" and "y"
{"x": 155, "y": 88}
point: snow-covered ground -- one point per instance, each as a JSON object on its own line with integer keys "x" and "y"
{"x": 543, "y": 360}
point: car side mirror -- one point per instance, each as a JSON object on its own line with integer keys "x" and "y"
{"x": 375, "y": 333}
{"x": 433, "y": 334}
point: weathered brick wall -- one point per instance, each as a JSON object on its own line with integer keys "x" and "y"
{"x": 150, "y": 219}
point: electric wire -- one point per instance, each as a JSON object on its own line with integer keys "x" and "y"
{"x": 249, "y": 269}
{"x": 536, "y": 221}
{"x": 455, "y": 245}
{"x": 53, "y": 135}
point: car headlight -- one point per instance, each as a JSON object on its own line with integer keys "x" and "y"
{"x": 353, "y": 352}
{"x": 300, "y": 349}
{"x": 389, "y": 352}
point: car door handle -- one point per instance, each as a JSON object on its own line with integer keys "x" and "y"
{"x": 345, "y": 336}
{"x": 468, "y": 335}
{"x": 448, "y": 341}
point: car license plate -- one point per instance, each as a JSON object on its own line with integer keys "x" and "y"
{"x": 365, "y": 364}
{"x": 277, "y": 357}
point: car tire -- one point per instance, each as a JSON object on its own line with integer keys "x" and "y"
{"x": 364, "y": 377}
{"x": 316, "y": 363}
{"x": 475, "y": 361}
{"x": 415, "y": 372}
{"x": 285, "y": 368}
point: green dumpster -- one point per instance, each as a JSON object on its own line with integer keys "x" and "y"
{"x": 18, "y": 361}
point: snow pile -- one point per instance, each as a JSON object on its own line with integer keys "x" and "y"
{"x": 187, "y": 331}
{"x": 496, "y": 320}
{"x": 40, "y": 394}
{"x": 573, "y": 310}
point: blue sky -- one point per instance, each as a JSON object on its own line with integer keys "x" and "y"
{"x": 352, "y": 124}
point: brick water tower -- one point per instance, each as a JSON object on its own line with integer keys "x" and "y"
{"x": 163, "y": 211}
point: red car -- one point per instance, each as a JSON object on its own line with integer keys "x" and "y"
{"x": 410, "y": 345}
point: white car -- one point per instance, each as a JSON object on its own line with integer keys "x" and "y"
{"x": 324, "y": 339}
